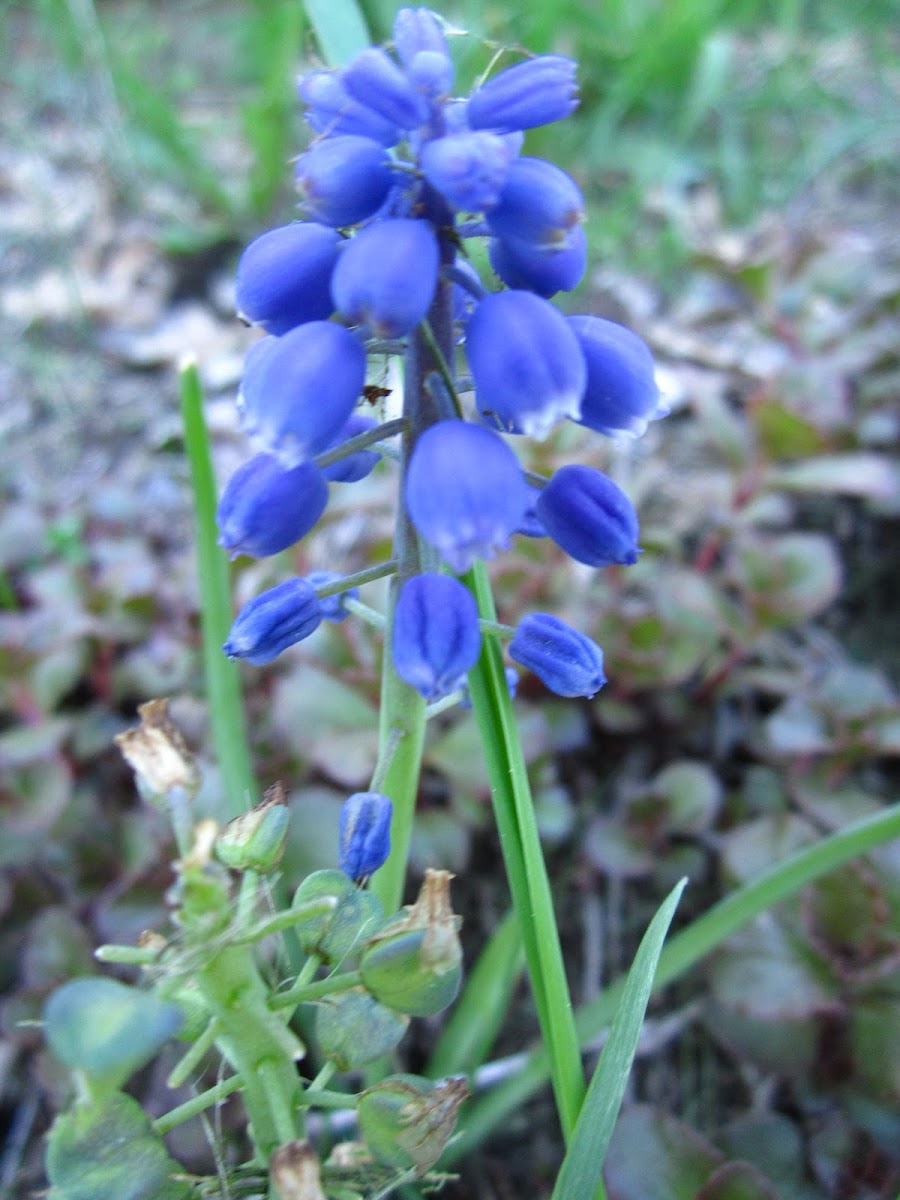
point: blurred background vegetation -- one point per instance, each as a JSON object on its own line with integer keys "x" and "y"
{"x": 741, "y": 165}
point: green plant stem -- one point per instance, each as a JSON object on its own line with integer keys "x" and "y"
{"x": 194, "y": 1056}
{"x": 362, "y": 441}
{"x": 524, "y": 860}
{"x": 197, "y": 1105}
{"x": 255, "y": 1041}
{"x": 402, "y": 708}
{"x": 223, "y": 687}
{"x": 682, "y": 952}
{"x": 285, "y": 920}
{"x": 299, "y": 994}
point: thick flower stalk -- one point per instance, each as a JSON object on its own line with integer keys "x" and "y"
{"x": 399, "y": 176}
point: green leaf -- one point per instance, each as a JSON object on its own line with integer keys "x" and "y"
{"x": 340, "y": 29}
{"x": 106, "y": 1029}
{"x": 582, "y": 1169}
{"x": 222, "y": 680}
{"x": 109, "y": 1151}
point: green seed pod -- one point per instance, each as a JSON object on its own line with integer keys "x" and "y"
{"x": 414, "y": 964}
{"x": 407, "y": 1120}
{"x": 335, "y": 934}
{"x": 353, "y": 1029}
{"x": 254, "y": 841}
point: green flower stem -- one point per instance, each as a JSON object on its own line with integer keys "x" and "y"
{"x": 285, "y": 920}
{"x": 322, "y": 1080}
{"x": 680, "y": 954}
{"x": 402, "y": 708}
{"x": 300, "y": 993}
{"x": 326, "y": 1099}
{"x": 497, "y": 628}
{"x": 197, "y": 1104}
{"x": 247, "y": 897}
{"x": 370, "y": 615}
{"x": 362, "y": 441}
{"x": 369, "y": 575}
{"x": 255, "y": 1041}
{"x": 524, "y": 860}
{"x": 226, "y": 710}
{"x": 194, "y": 1056}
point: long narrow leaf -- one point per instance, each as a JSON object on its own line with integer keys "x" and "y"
{"x": 468, "y": 1035}
{"x": 524, "y": 861}
{"x": 223, "y": 687}
{"x": 582, "y": 1169}
{"x": 684, "y": 951}
{"x": 340, "y": 29}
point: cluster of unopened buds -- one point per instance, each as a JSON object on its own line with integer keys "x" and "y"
{"x": 400, "y": 176}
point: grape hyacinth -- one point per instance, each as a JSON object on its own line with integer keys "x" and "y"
{"x": 399, "y": 177}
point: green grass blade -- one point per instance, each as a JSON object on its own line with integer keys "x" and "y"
{"x": 684, "y": 951}
{"x": 582, "y": 1170}
{"x": 340, "y": 28}
{"x": 524, "y": 861}
{"x": 467, "y": 1037}
{"x": 226, "y": 710}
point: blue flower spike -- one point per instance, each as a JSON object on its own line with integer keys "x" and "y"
{"x": 399, "y": 179}
{"x": 274, "y": 620}
{"x": 465, "y": 492}
{"x": 528, "y": 367}
{"x": 566, "y": 661}
{"x": 284, "y": 277}
{"x": 436, "y": 638}
{"x": 365, "y": 834}
{"x": 589, "y": 516}
{"x": 265, "y": 509}
{"x": 621, "y": 396}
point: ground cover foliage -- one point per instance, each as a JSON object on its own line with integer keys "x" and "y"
{"x": 752, "y": 652}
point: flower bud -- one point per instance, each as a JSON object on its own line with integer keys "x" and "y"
{"x": 331, "y": 110}
{"x": 365, "y": 834}
{"x": 407, "y": 1120}
{"x": 520, "y": 265}
{"x": 527, "y": 365}
{"x": 417, "y": 30}
{"x": 569, "y": 663}
{"x": 356, "y": 466}
{"x": 589, "y": 516}
{"x": 332, "y": 607}
{"x": 414, "y": 964}
{"x": 284, "y": 277}
{"x": 387, "y": 276}
{"x": 298, "y": 390}
{"x": 344, "y": 179}
{"x": 436, "y": 639}
{"x": 431, "y": 73}
{"x": 274, "y": 620}
{"x": 375, "y": 80}
{"x": 465, "y": 492}
{"x": 531, "y": 93}
{"x": 468, "y": 169}
{"x": 352, "y": 1029}
{"x": 254, "y": 841}
{"x": 540, "y": 204}
{"x": 621, "y": 394}
{"x": 355, "y": 917}
{"x": 264, "y": 508}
